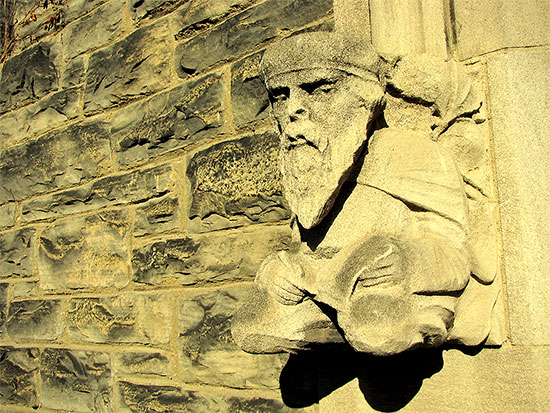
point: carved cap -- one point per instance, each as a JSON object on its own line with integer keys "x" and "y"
{"x": 321, "y": 50}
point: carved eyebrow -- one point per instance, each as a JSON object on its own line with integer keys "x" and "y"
{"x": 276, "y": 92}
{"x": 309, "y": 87}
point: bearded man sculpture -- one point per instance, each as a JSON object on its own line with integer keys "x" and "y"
{"x": 381, "y": 217}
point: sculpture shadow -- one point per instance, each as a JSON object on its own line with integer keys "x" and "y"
{"x": 387, "y": 383}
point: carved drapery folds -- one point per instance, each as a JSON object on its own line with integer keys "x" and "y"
{"x": 384, "y": 165}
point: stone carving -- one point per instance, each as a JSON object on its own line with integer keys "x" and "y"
{"x": 385, "y": 256}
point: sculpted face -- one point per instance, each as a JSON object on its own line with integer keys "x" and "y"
{"x": 323, "y": 117}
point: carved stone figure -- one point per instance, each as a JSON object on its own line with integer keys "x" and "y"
{"x": 383, "y": 252}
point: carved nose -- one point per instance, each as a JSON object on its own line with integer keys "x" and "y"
{"x": 296, "y": 108}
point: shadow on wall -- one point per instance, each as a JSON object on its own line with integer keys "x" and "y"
{"x": 387, "y": 383}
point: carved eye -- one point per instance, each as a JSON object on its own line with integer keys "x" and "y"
{"x": 278, "y": 94}
{"x": 320, "y": 87}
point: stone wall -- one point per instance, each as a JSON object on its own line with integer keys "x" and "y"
{"x": 139, "y": 191}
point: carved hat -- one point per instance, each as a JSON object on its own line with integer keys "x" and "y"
{"x": 321, "y": 50}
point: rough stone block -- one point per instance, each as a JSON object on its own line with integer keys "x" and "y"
{"x": 136, "y": 66}
{"x": 35, "y": 320}
{"x": 512, "y": 379}
{"x": 518, "y": 85}
{"x": 78, "y": 381}
{"x": 144, "y": 9}
{"x": 48, "y": 113}
{"x": 18, "y": 376}
{"x": 246, "y": 31}
{"x": 200, "y": 260}
{"x": 28, "y": 76}
{"x": 3, "y": 307}
{"x": 73, "y": 73}
{"x": 156, "y": 364}
{"x": 7, "y": 215}
{"x": 249, "y": 98}
{"x": 76, "y": 8}
{"x": 136, "y": 186}
{"x": 236, "y": 183}
{"x": 44, "y": 20}
{"x": 57, "y": 160}
{"x": 127, "y": 318}
{"x": 93, "y": 30}
{"x": 25, "y": 289}
{"x": 157, "y": 216}
{"x": 169, "y": 121}
{"x": 17, "y": 253}
{"x": 85, "y": 252}
{"x": 197, "y": 16}
{"x": 154, "y": 398}
{"x": 208, "y": 353}
{"x": 487, "y": 26}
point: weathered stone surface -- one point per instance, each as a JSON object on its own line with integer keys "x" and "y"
{"x": 152, "y": 398}
{"x": 35, "y": 320}
{"x": 126, "y": 318}
{"x": 249, "y": 98}
{"x": 156, "y": 364}
{"x": 512, "y": 379}
{"x": 495, "y": 25}
{"x": 208, "y": 353}
{"x": 73, "y": 73}
{"x": 128, "y": 69}
{"x": 24, "y": 289}
{"x": 236, "y": 183}
{"x": 518, "y": 85}
{"x": 157, "y": 216}
{"x": 3, "y": 307}
{"x": 7, "y": 215}
{"x": 132, "y": 187}
{"x": 78, "y": 381}
{"x": 76, "y": 8}
{"x": 28, "y": 76}
{"x": 48, "y": 113}
{"x": 55, "y": 161}
{"x": 17, "y": 253}
{"x": 36, "y": 20}
{"x": 93, "y": 30}
{"x": 201, "y": 260}
{"x": 146, "y": 9}
{"x": 18, "y": 376}
{"x": 169, "y": 121}
{"x": 85, "y": 252}
{"x": 197, "y": 16}
{"x": 246, "y": 31}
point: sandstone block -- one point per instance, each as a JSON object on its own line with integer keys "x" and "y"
{"x": 208, "y": 353}
{"x": 85, "y": 252}
{"x": 28, "y": 76}
{"x": 78, "y": 381}
{"x": 169, "y": 121}
{"x": 93, "y": 30}
{"x": 73, "y": 73}
{"x": 157, "y": 216}
{"x": 236, "y": 183}
{"x": 249, "y": 98}
{"x": 17, "y": 253}
{"x": 132, "y": 187}
{"x": 142, "y": 319}
{"x": 197, "y": 16}
{"x": 7, "y": 215}
{"x": 200, "y": 260}
{"x": 142, "y": 363}
{"x": 494, "y": 25}
{"x": 246, "y": 31}
{"x": 128, "y": 69}
{"x": 18, "y": 376}
{"x": 44, "y": 21}
{"x": 57, "y": 160}
{"x": 153, "y": 398}
{"x": 3, "y": 307}
{"x": 76, "y": 8}
{"x": 48, "y": 113}
{"x": 25, "y": 289}
{"x": 518, "y": 84}
{"x": 35, "y": 320}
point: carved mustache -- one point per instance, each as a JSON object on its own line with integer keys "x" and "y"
{"x": 300, "y": 134}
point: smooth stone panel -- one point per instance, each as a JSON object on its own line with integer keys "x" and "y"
{"x": 520, "y": 105}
